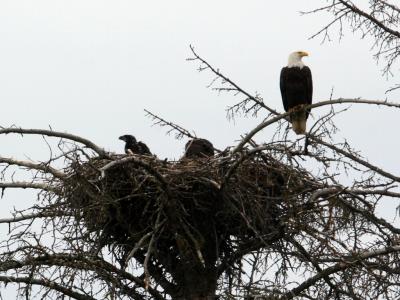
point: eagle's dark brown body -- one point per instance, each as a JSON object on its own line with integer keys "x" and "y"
{"x": 296, "y": 89}
{"x": 199, "y": 148}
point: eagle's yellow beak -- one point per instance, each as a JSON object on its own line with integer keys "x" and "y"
{"x": 303, "y": 53}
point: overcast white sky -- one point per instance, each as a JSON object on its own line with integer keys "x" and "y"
{"x": 90, "y": 67}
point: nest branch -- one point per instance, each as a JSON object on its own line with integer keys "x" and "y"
{"x": 138, "y": 245}
{"x": 150, "y": 248}
{"x": 136, "y": 160}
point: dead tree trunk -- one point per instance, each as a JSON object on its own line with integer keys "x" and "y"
{"x": 197, "y": 284}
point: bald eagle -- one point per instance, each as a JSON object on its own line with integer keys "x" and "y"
{"x": 296, "y": 89}
{"x": 198, "y": 148}
{"x": 134, "y": 147}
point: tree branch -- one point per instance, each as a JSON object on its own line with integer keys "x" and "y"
{"x": 350, "y": 261}
{"x": 28, "y": 185}
{"x": 226, "y": 79}
{"x": 100, "y": 151}
{"x": 30, "y": 165}
{"x": 46, "y": 283}
{"x": 266, "y": 123}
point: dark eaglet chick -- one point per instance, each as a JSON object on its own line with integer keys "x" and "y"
{"x": 198, "y": 148}
{"x": 134, "y": 147}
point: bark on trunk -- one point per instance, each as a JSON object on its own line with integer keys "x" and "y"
{"x": 197, "y": 284}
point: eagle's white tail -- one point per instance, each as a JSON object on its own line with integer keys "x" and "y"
{"x": 299, "y": 126}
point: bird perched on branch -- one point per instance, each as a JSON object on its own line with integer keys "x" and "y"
{"x": 134, "y": 147}
{"x": 198, "y": 148}
{"x": 296, "y": 89}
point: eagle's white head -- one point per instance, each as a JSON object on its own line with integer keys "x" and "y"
{"x": 295, "y": 59}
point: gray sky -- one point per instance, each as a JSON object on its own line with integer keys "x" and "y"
{"x": 91, "y": 67}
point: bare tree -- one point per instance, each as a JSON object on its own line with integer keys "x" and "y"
{"x": 253, "y": 222}
{"x": 379, "y": 19}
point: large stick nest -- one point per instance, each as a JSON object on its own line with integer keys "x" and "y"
{"x": 221, "y": 201}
